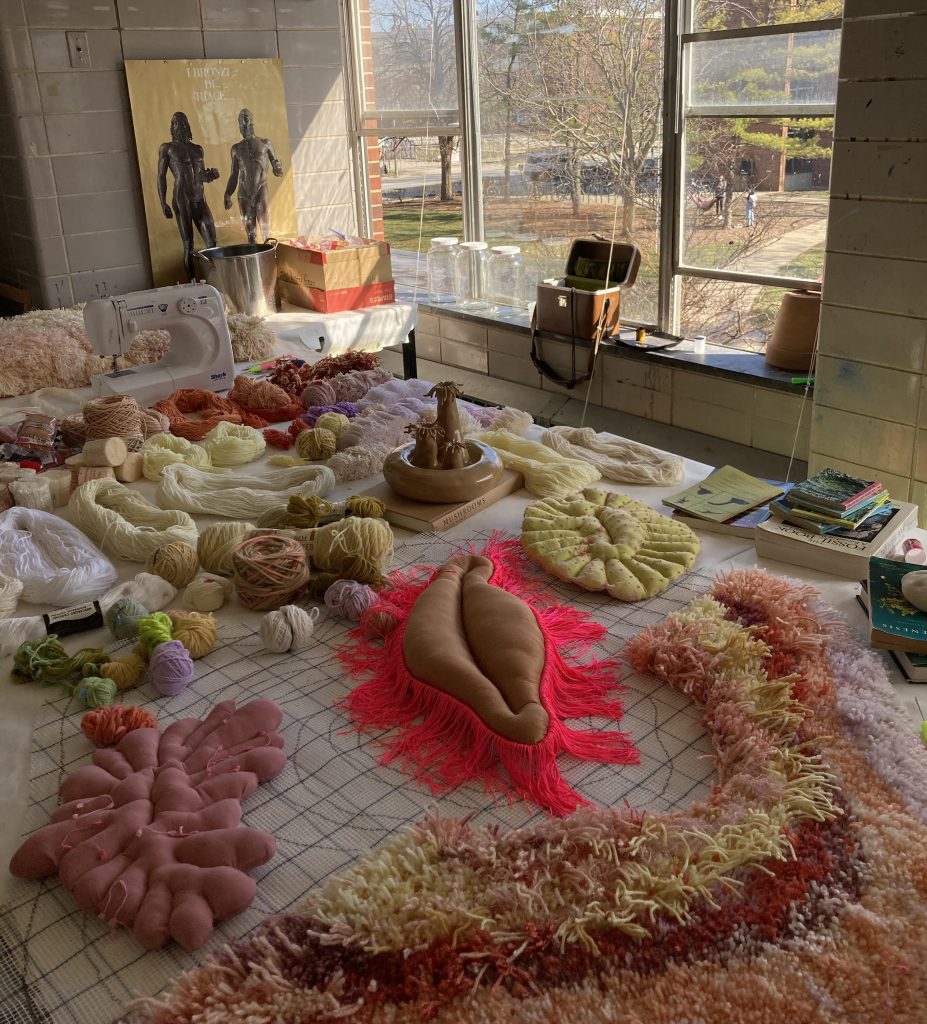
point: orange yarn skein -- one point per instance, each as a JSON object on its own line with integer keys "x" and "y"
{"x": 106, "y": 726}
{"x": 209, "y": 405}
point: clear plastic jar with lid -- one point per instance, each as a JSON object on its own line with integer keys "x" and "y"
{"x": 506, "y": 276}
{"x": 441, "y": 262}
{"x": 472, "y": 275}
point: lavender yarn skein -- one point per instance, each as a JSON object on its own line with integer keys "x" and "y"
{"x": 170, "y": 668}
{"x": 350, "y": 598}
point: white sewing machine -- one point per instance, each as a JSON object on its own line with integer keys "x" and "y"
{"x": 200, "y": 355}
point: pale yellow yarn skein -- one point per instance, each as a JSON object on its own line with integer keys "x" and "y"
{"x": 162, "y": 450}
{"x": 333, "y": 421}
{"x": 177, "y": 563}
{"x": 233, "y": 444}
{"x": 546, "y": 473}
{"x": 216, "y": 544}
{"x": 335, "y": 546}
{"x": 195, "y": 630}
{"x": 206, "y": 593}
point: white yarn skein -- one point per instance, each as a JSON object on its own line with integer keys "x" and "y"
{"x": 547, "y": 473}
{"x": 126, "y": 524}
{"x": 54, "y": 561}
{"x": 288, "y": 628}
{"x": 148, "y": 589}
{"x": 358, "y": 462}
{"x": 162, "y": 450}
{"x": 617, "y": 458}
{"x": 237, "y": 496}
{"x": 207, "y": 593}
{"x": 233, "y": 444}
{"x": 10, "y": 591}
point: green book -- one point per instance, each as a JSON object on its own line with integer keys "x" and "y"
{"x": 724, "y": 494}
{"x": 894, "y": 623}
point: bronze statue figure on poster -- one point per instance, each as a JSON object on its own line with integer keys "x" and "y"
{"x": 250, "y": 159}
{"x": 188, "y": 203}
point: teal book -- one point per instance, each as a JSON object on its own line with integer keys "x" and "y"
{"x": 913, "y": 666}
{"x": 894, "y": 623}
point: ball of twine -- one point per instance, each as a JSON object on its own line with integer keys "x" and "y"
{"x": 316, "y": 444}
{"x": 114, "y": 416}
{"x": 10, "y": 590}
{"x": 206, "y": 593}
{"x": 216, "y": 543}
{"x": 170, "y": 668}
{"x": 350, "y": 599}
{"x": 318, "y": 392}
{"x": 269, "y": 570}
{"x": 333, "y": 421}
{"x": 96, "y": 692}
{"x": 73, "y": 431}
{"x": 107, "y": 725}
{"x": 289, "y": 628}
{"x": 378, "y": 622}
{"x": 176, "y": 562}
{"x": 195, "y": 630}
{"x": 122, "y": 617}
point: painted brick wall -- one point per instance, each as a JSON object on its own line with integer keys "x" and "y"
{"x": 71, "y": 218}
{"x": 870, "y": 413}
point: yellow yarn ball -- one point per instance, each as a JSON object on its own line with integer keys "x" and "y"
{"x": 316, "y": 444}
{"x": 366, "y": 507}
{"x": 216, "y": 544}
{"x": 206, "y": 593}
{"x": 195, "y": 630}
{"x": 354, "y": 547}
{"x": 333, "y": 421}
{"x": 125, "y": 672}
{"x": 177, "y": 563}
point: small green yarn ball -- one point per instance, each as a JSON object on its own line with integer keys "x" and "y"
{"x": 316, "y": 444}
{"x": 96, "y": 692}
{"x": 122, "y": 617}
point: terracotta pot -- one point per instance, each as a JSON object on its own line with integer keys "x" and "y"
{"x": 791, "y": 345}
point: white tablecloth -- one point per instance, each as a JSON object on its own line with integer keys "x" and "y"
{"x": 355, "y": 330}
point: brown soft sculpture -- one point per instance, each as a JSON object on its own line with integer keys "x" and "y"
{"x": 481, "y": 645}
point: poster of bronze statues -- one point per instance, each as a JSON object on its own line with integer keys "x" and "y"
{"x": 213, "y": 154}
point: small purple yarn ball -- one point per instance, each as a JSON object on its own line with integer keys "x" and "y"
{"x": 350, "y": 598}
{"x": 312, "y": 414}
{"x": 170, "y": 668}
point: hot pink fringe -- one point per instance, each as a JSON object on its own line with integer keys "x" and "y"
{"x": 443, "y": 743}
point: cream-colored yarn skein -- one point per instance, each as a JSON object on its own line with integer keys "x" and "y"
{"x": 207, "y": 593}
{"x": 123, "y": 523}
{"x": 616, "y": 457}
{"x": 233, "y": 444}
{"x": 546, "y": 473}
{"x": 288, "y": 628}
{"x": 216, "y": 544}
{"x": 162, "y": 450}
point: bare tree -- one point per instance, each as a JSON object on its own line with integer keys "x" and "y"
{"x": 415, "y": 64}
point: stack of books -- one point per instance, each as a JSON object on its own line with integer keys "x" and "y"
{"x": 831, "y": 501}
{"x": 895, "y": 625}
{"x": 727, "y": 501}
{"x": 835, "y": 523}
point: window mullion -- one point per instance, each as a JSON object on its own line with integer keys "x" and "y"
{"x": 468, "y": 93}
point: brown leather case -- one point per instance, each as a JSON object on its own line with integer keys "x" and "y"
{"x": 580, "y": 314}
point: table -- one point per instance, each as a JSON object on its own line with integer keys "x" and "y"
{"x": 338, "y": 781}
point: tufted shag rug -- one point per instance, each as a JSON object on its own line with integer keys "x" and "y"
{"x": 795, "y": 893}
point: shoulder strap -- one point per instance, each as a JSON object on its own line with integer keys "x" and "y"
{"x": 548, "y": 371}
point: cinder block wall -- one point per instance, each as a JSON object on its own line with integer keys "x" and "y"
{"x": 870, "y": 413}
{"x": 747, "y": 413}
{"x": 71, "y": 219}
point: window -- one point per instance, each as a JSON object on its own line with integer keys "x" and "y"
{"x": 557, "y": 129}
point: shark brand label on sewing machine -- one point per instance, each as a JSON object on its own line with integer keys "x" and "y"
{"x": 218, "y": 376}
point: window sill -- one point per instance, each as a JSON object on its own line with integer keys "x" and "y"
{"x": 718, "y": 361}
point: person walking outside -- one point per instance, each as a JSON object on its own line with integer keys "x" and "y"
{"x": 751, "y": 208}
{"x": 720, "y": 193}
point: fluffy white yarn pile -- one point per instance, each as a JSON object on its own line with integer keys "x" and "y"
{"x": 10, "y": 591}
{"x": 233, "y": 444}
{"x": 149, "y": 590}
{"x": 162, "y": 450}
{"x": 55, "y": 563}
{"x": 288, "y": 628}
{"x": 236, "y": 496}
{"x": 546, "y": 473}
{"x": 359, "y": 462}
{"x": 123, "y": 523}
{"x": 616, "y": 458}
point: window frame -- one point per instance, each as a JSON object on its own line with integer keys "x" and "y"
{"x": 679, "y": 35}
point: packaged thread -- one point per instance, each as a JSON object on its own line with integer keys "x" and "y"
{"x": 37, "y": 433}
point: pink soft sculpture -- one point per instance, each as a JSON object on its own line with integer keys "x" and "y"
{"x": 148, "y": 835}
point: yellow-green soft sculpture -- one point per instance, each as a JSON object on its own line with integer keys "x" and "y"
{"x": 600, "y": 540}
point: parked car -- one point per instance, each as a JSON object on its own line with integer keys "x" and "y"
{"x": 553, "y": 167}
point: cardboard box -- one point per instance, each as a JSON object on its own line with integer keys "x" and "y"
{"x": 330, "y": 282}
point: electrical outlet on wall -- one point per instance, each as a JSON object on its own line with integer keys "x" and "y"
{"x": 78, "y": 49}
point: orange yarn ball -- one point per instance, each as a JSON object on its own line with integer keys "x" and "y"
{"x": 106, "y": 726}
